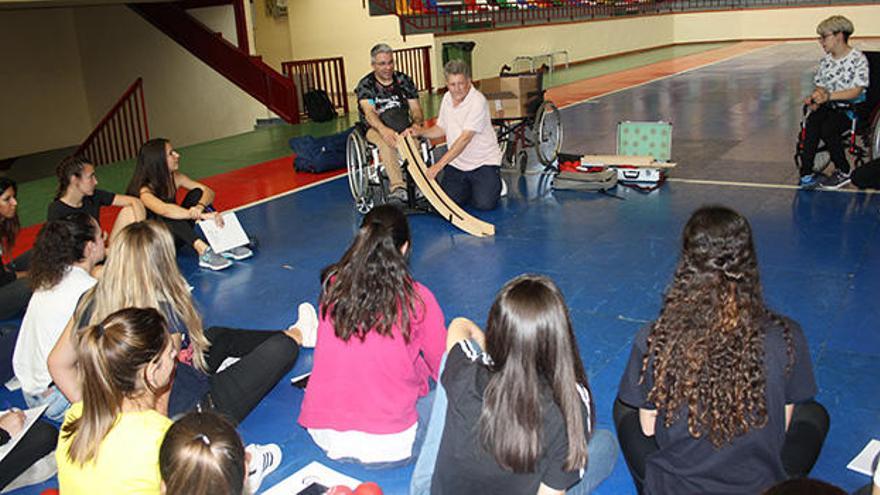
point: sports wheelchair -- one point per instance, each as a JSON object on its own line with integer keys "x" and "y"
{"x": 862, "y": 138}
{"x": 540, "y": 128}
{"x": 366, "y": 174}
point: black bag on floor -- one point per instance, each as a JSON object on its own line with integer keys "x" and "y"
{"x": 319, "y": 154}
{"x": 868, "y": 175}
{"x": 319, "y": 108}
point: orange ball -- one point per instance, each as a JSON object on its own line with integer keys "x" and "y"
{"x": 368, "y": 488}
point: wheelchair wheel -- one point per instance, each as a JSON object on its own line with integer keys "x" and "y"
{"x": 357, "y": 161}
{"x": 549, "y": 133}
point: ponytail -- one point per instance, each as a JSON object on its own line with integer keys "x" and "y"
{"x": 112, "y": 358}
{"x": 202, "y": 454}
{"x": 70, "y": 166}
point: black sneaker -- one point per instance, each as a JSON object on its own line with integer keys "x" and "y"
{"x": 837, "y": 180}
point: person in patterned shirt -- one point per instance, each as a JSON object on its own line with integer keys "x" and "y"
{"x": 842, "y": 76}
{"x": 388, "y": 104}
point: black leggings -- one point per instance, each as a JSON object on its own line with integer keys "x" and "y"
{"x": 184, "y": 231}
{"x": 15, "y": 295}
{"x": 827, "y": 124}
{"x": 803, "y": 440}
{"x": 266, "y": 356}
{"x": 33, "y": 446}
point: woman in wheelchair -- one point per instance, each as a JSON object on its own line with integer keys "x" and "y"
{"x": 842, "y": 77}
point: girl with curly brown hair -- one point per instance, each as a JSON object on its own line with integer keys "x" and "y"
{"x": 717, "y": 395}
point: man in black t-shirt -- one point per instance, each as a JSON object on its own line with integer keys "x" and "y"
{"x": 77, "y": 192}
{"x": 388, "y": 104}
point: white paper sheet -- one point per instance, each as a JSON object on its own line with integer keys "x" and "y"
{"x": 230, "y": 236}
{"x": 865, "y": 462}
{"x": 31, "y": 417}
{"x": 314, "y": 472}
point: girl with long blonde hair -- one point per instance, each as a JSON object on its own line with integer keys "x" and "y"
{"x": 142, "y": 271}
{"x": 110, "y": 439}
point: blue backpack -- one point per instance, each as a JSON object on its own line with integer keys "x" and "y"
{"x": 321, "y": 154}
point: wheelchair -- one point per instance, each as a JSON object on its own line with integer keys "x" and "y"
{"x": 861, "y": 141}
{"x": 541, "y": 129}
{"x": 367, "y": 179}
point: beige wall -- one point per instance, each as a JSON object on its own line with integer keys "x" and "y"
{"x": 348, "y": 31}
{"x": 582, "y": 41}
{"x": 187, "y": 101}
{"x": 271, "y": 36}
{"x": 769, "y": 24}
{"x": 593, "y": 39}
{"x": 42, "y": 96}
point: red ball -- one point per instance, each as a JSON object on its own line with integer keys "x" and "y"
{"x": 49, "y": 491}
{"x": 340, "y": 490}
{"x": 368, "y": 488}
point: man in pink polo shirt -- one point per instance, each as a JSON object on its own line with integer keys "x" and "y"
{"x": 473, "y": 177}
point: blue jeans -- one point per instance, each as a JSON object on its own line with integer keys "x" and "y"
{"x": 601, "y": 451}
{"x": 601, "y": 455}
{"x": 424, "y": 469}
{"x": 58, "y": 404}
{"x": 424, "y": 408}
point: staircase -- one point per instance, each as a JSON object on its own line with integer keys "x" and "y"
{"x": 247, "y": 72}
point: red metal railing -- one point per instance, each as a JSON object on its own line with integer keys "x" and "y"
{"x": 120, "y": 134}
{"x": 416, "y": 63}
{"x": 319, "y": 73}
{"x": 511, "y": 13}
{"x": 247, "y": 72}
{"x": 423, "y": 16}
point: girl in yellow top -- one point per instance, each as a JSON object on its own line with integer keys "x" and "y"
{"x": 110, "y": 441}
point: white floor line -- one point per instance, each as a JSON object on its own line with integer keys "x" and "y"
{"x": 761, "y": 185}
{"x": 286, "y": 193}
{"x": 618, "y": 90}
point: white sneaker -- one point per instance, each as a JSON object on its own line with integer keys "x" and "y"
{"x": 213, "y": 261}
{"x": 307, "y": 323}
{"x": 264, "y": 459}
{"x": 237, "y": 253}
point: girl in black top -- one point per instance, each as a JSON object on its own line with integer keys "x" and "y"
{"x": 155, "y": 181}
{"x": 14, "y": 290}
{"x": 716, "y": 395}
{"x": 520, "y": 416}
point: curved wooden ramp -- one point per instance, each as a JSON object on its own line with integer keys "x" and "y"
{"x": 445, "y": 207}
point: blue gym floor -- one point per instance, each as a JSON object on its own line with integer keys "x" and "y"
{"x": 734, "y": 122}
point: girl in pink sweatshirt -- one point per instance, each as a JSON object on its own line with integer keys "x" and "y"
{"x": 381, "y": 335}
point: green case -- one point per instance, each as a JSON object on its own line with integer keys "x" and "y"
{"x": 645, "y": 138}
